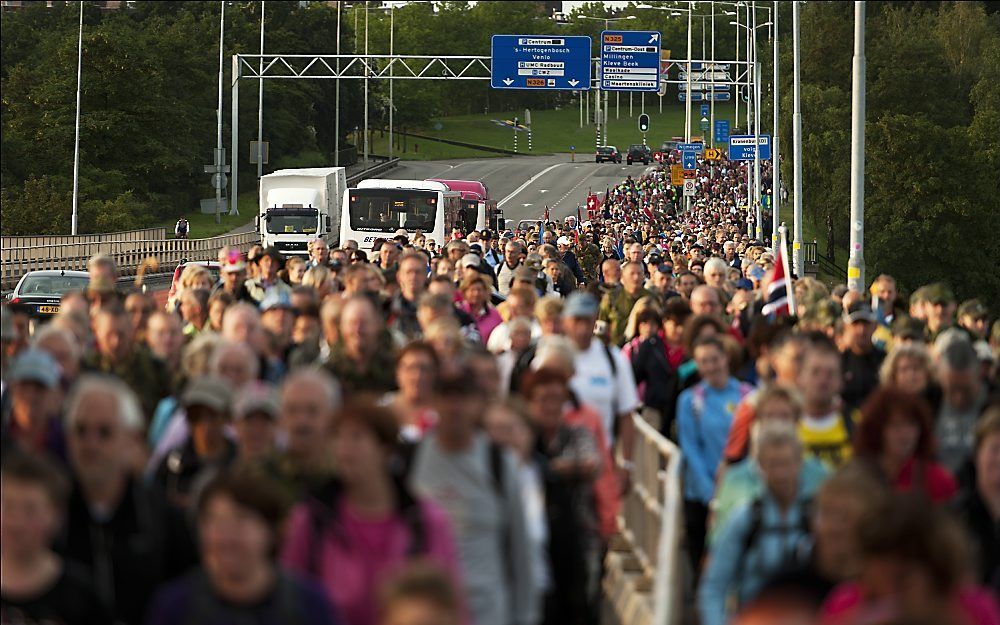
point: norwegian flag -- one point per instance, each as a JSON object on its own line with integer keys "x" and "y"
{"x": 780, "y": 300}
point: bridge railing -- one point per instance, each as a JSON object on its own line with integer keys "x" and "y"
{"x": 643, "y": 579}
{"x": 17, "y": 260}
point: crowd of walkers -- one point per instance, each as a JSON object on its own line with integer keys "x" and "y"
{"x": 433, "y": 435}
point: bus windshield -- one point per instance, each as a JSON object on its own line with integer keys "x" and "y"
{"x": 292, "y": 220}
{"x": 386, "y": 210}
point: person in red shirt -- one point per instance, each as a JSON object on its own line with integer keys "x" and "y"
{"x": 896, "y": 440}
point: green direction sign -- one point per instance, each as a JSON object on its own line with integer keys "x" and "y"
{"x": 704, "y": 123}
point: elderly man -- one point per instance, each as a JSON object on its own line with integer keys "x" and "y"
{"x": 513, "y": 255}
{"x": 569, "y": 258}
{"x": 123, "y": 530}
{"x": 716, "y": 272}
{"x": 964, "y": 396}
{"x": 617, "y": 306}
{"x": 705, "y": 300}
{"x": 309, "y": 399}
{"x": 119, "y": 355}
{"x": 319, "y": 254}
{"x": 363, "y": 358}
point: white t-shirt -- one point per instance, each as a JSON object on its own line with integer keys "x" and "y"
{"x": 595, "y": 384}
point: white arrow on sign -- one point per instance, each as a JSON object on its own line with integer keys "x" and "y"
{"x": 654, "y": 37}
{"x": 507, "y": 81}
{"x": 574, "y": 82}
{"x": 525, "y": 205}
{"x": 543, "y": 190}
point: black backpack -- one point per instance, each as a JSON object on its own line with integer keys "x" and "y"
{"x": 800, "y": 556}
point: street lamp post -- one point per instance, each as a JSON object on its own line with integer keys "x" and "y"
{"x": 336, "y": 106}
{"x": 218, "y": 117}
{"x": 260, "y": 99}
{"x": 856, "y": 262}
{"x": 775, "y": 156}
{"x": 76, "y": 141}
{"x": 796, "y": 146}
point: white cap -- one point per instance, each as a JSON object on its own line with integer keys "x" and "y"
{"x": 563, "y": 241}
{"x": 469, "y": 260}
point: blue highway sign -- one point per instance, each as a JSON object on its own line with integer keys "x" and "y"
{"x": 630, "y": 60}
{"x": 698, "y": 96}
{"x": 540, "y": 62}
{"x": 722, "y": 131}
{"x": 688, "y": 160}
{"x": 741, "y": 147}
{"x": 691, "y": 147}
{"x": 704, "y": 110}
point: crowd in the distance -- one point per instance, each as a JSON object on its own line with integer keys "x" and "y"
{"x": 443, "y": 432}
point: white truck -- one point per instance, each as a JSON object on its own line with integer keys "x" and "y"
{"x": 299, "y": 205}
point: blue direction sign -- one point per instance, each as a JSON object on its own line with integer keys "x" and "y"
{"x": 722, "y": 131}
{"x": 540, "y": 62}
{"x": 742, "y": 147}
{"x": 704, "y": 110}
{"x": 688, "y": 160}
{"x": 630, "y": 60}
{"x": 691, "y": 147}
{"x": 698, "y": 96}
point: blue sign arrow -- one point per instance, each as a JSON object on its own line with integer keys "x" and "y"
{"x": 722, "y": 131}
{"x": 540, "y": 62}
{"x": 704, "y": 110}
{"x": 689, "y": 160}
{"x": 743, "y": 147}
{"x": 630, "y": 60}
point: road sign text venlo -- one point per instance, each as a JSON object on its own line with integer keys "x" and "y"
{"x": 540, "y": 62}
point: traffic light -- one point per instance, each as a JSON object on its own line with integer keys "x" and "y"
{"x": 643, "y": 123}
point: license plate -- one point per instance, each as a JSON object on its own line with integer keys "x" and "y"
{"x": 48, "y": 310}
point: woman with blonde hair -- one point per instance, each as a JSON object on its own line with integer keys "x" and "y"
{"x": 193, "y": 276}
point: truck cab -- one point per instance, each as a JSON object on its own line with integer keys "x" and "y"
{"x": 300, "y": 205}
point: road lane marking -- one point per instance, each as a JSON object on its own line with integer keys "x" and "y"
{"x": 527, "y": 183}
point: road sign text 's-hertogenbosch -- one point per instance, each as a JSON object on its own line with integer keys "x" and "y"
{"x": 742, "y": 147}
{"x": 630, "y": 60}
{"x": 540, "y": 62}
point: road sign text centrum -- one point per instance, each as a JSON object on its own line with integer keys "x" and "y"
{"x": 540, "y": 62}
{"x": 630, "y": 60}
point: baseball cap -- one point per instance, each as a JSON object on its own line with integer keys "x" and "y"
{"x": 256, "y": 397}
{"x": 476, "y": 248}
{"x": 275, "y": 298}
{"x": 534, "y": 260}
{"x": 580, "y": 304}
{"x": 563, "y": 241}
{"x": 744, "y": 284}
{"x": 234, "y": 262}
{"x": 973, "y": 308}
{"x": 859, "y": 311}
{"x": 756, "y": 272}
{"x": 469, "y": 260}
{"x": 273, "y": 253}
{"x": 209, "y": 391}
{"x": 401, "y": 233}
{"x": 35, "y": 365}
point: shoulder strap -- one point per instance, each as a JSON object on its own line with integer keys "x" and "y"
{"x": 753, "y": 531}
{"x": 496, "y": 469}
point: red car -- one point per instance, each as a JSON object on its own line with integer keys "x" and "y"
{"x": 213, "y": 268}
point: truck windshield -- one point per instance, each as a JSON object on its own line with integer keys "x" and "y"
{"x": 386, "y": 210}
{"x": 292, "y": 220}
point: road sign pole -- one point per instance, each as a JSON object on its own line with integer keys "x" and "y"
{"x": 856, "y": 262}
{"x": 796, "y": 147}
{"x": 260, "y": 99}
{"x": 736, "y": 68}
{"x": 687, "y": 98}
{"x": 775, "y": 157}
{"x": 367, "y": 61}
{"x": 218, "y": 113}
{"x": 756, "y": 128}
{"x": 336, "y": 106}
{"x": 711, "y": 115}
{"x": 76, "y": 141}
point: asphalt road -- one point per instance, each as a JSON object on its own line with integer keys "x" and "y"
{"x": 525, "y": 185}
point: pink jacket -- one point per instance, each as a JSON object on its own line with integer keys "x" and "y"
{"x": 847, "y": 605}
{"x": 357, "y": 555}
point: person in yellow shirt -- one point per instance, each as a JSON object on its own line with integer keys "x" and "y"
{"x": 825, "y": 430}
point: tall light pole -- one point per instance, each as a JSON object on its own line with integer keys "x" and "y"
{"x": 218, "y": 116}
{"x": 76, "y": 141}
{"x": 736, "y": 120}
{"x": 336, "y": 106}
{"x": 856, "y": 261}
{"x": 366, "y": 83}
{"x": 775, "y": 156}
{"x": 392, "y": 33}
{"x": 260, "y": 99}
{"x": 796, "y": 146}
{"x": 711, "y": 102}
{"x": 756, "y": 127}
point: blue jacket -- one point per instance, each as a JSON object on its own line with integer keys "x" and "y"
{"x": 704, "y": 415}
{"x": 735, "y": 568}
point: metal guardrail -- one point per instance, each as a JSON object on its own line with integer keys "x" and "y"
{"x": 128, "y": 254}
{"x": 643, "y": 568}
{"x": 375, "y": 170}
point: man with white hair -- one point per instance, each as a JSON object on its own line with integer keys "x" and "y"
{"x": 715, "y": 272}
{"x": 732, "y": 258}
{"x": 131, "y": 539}
{"x": 309, "y": 399}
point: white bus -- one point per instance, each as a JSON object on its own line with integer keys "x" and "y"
{"x": 377, "y": 208}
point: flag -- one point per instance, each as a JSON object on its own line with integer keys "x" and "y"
{"x": 780, "y": 299}
{"x": 545, "y": 215}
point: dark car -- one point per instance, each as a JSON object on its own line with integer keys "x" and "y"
{"x": 38, "y": 293}
{"x": 607, "y": 153}
{"x": 639, "y": 153}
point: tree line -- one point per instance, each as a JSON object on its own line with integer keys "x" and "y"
{"x": 149, "y": 98}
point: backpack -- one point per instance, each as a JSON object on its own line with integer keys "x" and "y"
{"x": 799, "y": 556}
